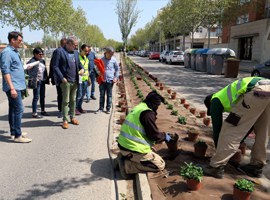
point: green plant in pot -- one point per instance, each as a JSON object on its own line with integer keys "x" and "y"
{"x": 242, "y": 189}
{"x": 192, "y": 174}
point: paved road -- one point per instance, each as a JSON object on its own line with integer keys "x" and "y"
{"x": 58, "y": 164}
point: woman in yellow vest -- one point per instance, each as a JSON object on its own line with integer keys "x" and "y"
{"x": 83, "y": 80}
{"x": 248, "y": 101}
{"x": 138, "y": 133}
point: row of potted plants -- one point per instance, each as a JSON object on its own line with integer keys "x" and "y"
{"x": 193, "y": 174}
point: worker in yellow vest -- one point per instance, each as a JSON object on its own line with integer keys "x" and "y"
{"x": 248, "y": 102}
{"x": 84, "y": 80}
{"x": 138, "y": 133}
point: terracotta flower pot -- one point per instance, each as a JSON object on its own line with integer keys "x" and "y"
{"x": 120, "y": 78}
{"x": 186, "y": 105}
{"x": 243, "y": 147}
{"x": 192, "y": 136}
{"x": 139, "y": 78}
{"x": 123, "y": 108}
{"x": 192, "y": 110}
{"x": 169, "y": 91}
{"x": 122, "y": 102}
{"x": 193, "y": 184}
{"x": 183, "y": 100}
{"x": 206, "y": 121}
{"x": 122, "y": 119}
{"x": 173, "y": 96}
{"x": 161, "y": 87}
{"x": 200, "y": 149}
{"x": 123, "y": 95}
{"x": 173, "y": 144}
{"x": 240, "y": 195}
{"x": 202, "y": 114}
{"x": 157, "y": 84}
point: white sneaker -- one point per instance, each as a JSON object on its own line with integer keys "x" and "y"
{"x": 22, "y": 140}
{"x": 12, "y": 137}
{"x": 98, "y": 111}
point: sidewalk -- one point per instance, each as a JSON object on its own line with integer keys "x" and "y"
{"x": 247, "y": 66}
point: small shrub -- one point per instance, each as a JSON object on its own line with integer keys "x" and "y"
{"x": 244, "y": 185}
{"x": 182, "y": 120}
{"x": 170, "y": 106}
{"x": 174, "y": 112}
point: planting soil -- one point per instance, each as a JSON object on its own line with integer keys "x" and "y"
{"x": 174, "y": 186}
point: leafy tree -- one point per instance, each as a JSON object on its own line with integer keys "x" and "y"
{"x": 18, "y": 14}
{"x": 127, "y": 17}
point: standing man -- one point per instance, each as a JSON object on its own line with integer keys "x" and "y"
{"x": 63, "y": 42}
{"x": 84, "y": 79}
{"x": 91, "y": 58}
{"x": 110, "y": 77}
{"x": 13, "y": 84}
{"x": 249, "y": 104}
{"x": 67, "y": 68}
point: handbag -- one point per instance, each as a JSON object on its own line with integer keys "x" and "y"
{"x": 32, "y": 83}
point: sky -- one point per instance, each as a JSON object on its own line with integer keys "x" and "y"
{"x": 100, "y": 13}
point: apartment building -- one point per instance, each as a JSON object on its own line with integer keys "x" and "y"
{"x": 249, "y": 34}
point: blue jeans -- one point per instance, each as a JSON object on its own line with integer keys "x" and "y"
{"x": 15, "y": 113}
{"x": 80, "y": 94}
{"x": 93, "y": 80}
{"x": 105, "y": 87}
{"x": 36, "y": 93}
{"x": 88, "y": 92}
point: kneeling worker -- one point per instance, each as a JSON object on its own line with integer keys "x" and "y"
{"x": 138, "y": 133}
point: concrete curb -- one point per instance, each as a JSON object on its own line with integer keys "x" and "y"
{"x": 143, "y": 188}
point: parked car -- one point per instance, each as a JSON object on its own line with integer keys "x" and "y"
{"x": 154, "y": 55}
{"x": 262, "y": 70}
{"x": 163, "y": 55}
{"x": 175, "y": 57}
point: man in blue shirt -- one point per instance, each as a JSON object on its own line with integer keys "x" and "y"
{"x": 13, "y": 85}
{"x": 110, "y": 76}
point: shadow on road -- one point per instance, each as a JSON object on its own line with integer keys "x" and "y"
{"x": 46, "y": 190}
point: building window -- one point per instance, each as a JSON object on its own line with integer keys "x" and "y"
{"x": 243, "y": 19}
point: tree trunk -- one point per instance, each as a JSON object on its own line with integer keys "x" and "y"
{"x": 174, "y": 43}
{"x": 209, "y": 28}
{"x": 44, "y": 30}
{"x": 192, "y": 39}
{"x": 23, "y": 48}
{"x": 184, "y": 42}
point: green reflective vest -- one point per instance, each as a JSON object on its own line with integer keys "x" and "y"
{"x": 84, "y": 61}
{"x": 132, "y": 135}
{"x": 228, "y": 96}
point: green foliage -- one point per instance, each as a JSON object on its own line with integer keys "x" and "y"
{"x": 139, "y": 94}
{"x": 190, "y": 171}
{"x": 182, "y": 120}
{"x": 244, "y": 185}
{"x": 166, "y": 102}
{"x": 174, "y": 112}
{"x": 170, "y": 106}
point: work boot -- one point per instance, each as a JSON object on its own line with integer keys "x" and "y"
{"x": 217, "y": 172}
{"x": 253, "y": 170}
{"x": 121, "y": 165}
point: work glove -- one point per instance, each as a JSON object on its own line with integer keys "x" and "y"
{"x": 168, "y": 137}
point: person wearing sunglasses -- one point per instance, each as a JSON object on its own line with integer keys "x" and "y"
{"x": 38, "y": 78}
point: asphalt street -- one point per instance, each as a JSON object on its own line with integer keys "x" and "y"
{"x": 57, "y": 164}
